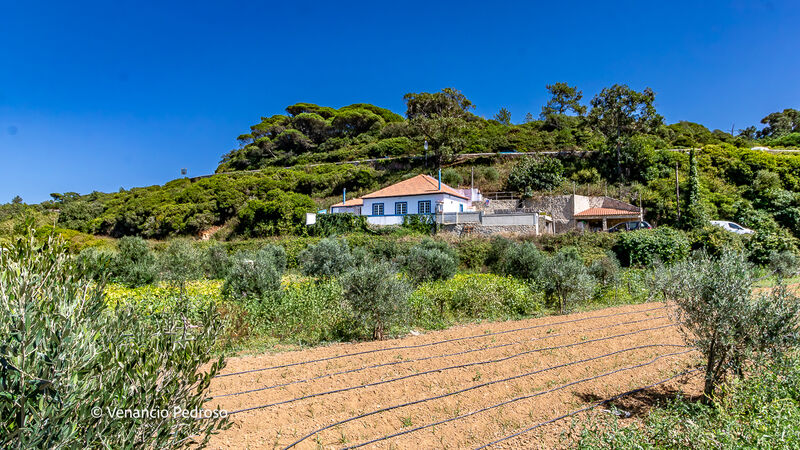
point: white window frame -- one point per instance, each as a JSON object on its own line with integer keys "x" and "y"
{"x": 377, "y": 209}
{"x": 420, "y": 208}
{"x": 400, "y": 208}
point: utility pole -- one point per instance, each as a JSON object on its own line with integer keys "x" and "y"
{"x": 677, "y": 192}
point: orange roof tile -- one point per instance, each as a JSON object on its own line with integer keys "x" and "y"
{"x": 351, "y": 202}
{"x": 418, "y": 185}
{"x": 591, "y": 212}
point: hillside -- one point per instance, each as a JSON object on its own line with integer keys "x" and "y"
{"x": 291, "y": 164}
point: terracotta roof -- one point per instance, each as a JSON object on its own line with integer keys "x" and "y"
{"x": 351, "y": 202}
{"x": 592, "y": 212}
{"x": 418, "y": 185}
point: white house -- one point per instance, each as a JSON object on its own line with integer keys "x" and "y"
{"x": 421, "y": 194}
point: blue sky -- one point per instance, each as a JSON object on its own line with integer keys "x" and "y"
{"x": 103, "y": 95}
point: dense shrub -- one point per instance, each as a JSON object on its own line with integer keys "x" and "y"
{"x": 565, "y": 279}
{"x": 255, "y": 274}
{"x": 498, "y": 246}
{"x": 714, "y": 240}
{"x": 468, "y": 297}
{"x": 605, "y": 270}
{"x": 327, "y": 258}
{"x": 180, "y": 262}
{"x": 430, "y": 260}
{"x": 784, "y": 264}
{"x": 644, "y": 247}
{"x": 535, "y": 174}
{"x": 67, "y": 355}
{"x": 96, "y": 263}
{"x": 337, "y": 224}
{"x": 134, "y": 264}
{"x": 522, "y": 261}
{"x": 216, "y": 261}
{"x": 472, "y": 253}
{"x": 281, "y": 213}
{"x": 377, "y": 296}
{"x": 451, "y": 177}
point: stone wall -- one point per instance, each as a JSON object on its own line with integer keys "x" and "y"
{"x": 480, "y": 230}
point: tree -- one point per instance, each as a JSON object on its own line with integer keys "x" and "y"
{"x": 750, "y": 132}
{"x": 180, "y": 262}
{"x": 563, "y": 98}
{"x": 535, "y": 174}
{"x": 431, "y": 261}
{"x": 255, "y": 274}
{"x": 442, "y": 119}
{"x": 377, "y": 296}
{"x": 134, "y": 263}
{"x": 16, "y": 200}
{"x": 695, "y": 216}
{"x": 781, "y": 123}
{"x": 721, "y": 316}
{"x": 619, "y": 113}
{"x": 503, "y": 116}
{"x": 281, "y": 213}
{"x": 529, "y": 118}
{"x": 327, "y": 258}
{"x": 566, "y": 279}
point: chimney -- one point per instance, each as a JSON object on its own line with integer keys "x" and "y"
{"x": 344, "y": 195}
{"x": 440, "y": 179}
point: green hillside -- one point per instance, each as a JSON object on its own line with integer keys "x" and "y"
{"x": 289, "y": 164}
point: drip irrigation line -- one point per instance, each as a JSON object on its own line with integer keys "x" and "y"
{"x": 516, "y": 399}
{"x": 427, "y": 358}
{"x": 587, "y": 408}
{"x": 442, "y": 369}
{"x": 407, "y": 347}
{"x": 461, "y": 391}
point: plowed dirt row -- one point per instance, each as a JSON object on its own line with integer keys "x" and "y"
{"x": 609, "y": 339}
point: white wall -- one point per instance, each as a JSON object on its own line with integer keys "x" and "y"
{"x": 450, "y": 203}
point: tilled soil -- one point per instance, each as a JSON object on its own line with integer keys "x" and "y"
{"x": 294, "y": 394}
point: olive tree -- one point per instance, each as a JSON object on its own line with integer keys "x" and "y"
{"x": 431, "y": 261}
{"x": 724, "y": 319}
{"x": 254, "y": 274}
{"x": 566, "y": 279}
{"x": 68, "y": 362}
{"x": 327, "y": 258}
{"x": 377, "y": 295}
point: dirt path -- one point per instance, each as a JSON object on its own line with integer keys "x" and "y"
{"x": 469, "y": 370}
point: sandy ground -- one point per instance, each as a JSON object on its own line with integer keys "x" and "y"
{"x": 304, "y": 395}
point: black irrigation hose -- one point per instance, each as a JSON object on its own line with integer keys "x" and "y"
{"x": 460, "y": 391}
{"x": 406, "y": 347}
{"x": 427, "y": 358}
{"x": 442, "y": 369}
{"x": 592, "y": 406}
{"x": 516, "y": 399}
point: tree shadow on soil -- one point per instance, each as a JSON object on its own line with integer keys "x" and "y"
{"x": 640, "y": 403}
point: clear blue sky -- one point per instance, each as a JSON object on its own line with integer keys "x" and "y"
{"x": 103, "y": 95}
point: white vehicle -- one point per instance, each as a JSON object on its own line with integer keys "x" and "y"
{"x": 733, "y": 227}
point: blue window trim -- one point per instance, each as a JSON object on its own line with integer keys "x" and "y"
{"x": 401, "y": 206}
{"x": 375, "y": 207}
{"x": 419, "y": 207}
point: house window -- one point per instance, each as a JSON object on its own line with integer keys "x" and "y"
{"x": 424, "y": 207}
{"x": 377, "y": 209}
{"x": 401, "y": 208}
{"x": 461, "y": 207}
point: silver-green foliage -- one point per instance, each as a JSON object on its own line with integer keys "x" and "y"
{"x": 180, "y": 262}
{"x": 377, "y": 296}
{"x": 565, "y": 278}
{"x": 65, "y": 355}
{"x": 327, "y": 258}
{"x": 255, "y": 274}
{"x": 722, "y": 317}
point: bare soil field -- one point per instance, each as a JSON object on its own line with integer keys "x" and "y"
{"x": 464, "y": 387}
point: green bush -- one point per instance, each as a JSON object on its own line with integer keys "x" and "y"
{"x": 784, "y": 264}
{"x": 498, "y": 246}
{"x": 134, "y": 264}
{"x": 96, "y": 264}
{"x": 66, "y": 355}
{"x": 180, "y": 262}
{"x": 307, "y": 313}
{"x": 327, "y": 258}
{"x": 255, "y": 274}
{"x": 566, "y": 279}
{"x": 523, "y": 261}
{"x": 715, "y": 240}
{"x": 605, "y": 270}
{"x": 338, "y": 224}
{"x": 377, "y": 296}
{"x": 451, "y": 177}
{"x": 468, "y": 297}
{"x": 535, "y": 174}
{"x": 421, "y": 223}
{"x": 216, "y": 261}
{"x": 430, "y": 260}
{"x": 281, "y": 213}
{"x": 472, "y": 253}
{"x": 645, "y": 247}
